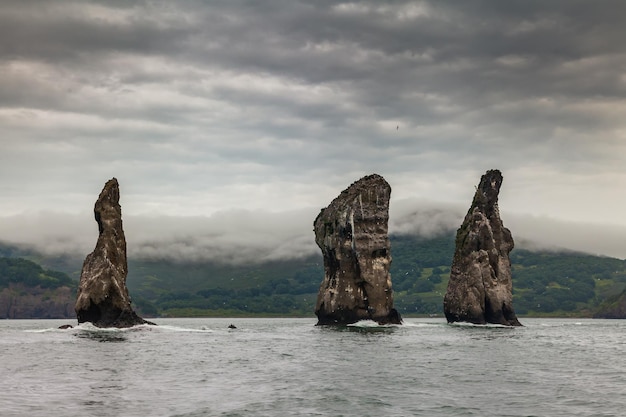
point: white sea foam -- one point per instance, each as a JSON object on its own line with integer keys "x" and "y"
{"x": 182, "y": 329}
{"x": 51, "y": 329}
{"x": 371, "y": 324}
{"x": 481, "y": 326}
{"x": 420, "y": 324}
{"x": 143, "y": 327}
{"x": 89, "y": 327}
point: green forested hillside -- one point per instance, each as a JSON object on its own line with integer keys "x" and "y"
{"x": 544, "y": 283}
{"x": 30, "y": 274}
{"x": 566, "y": 282}
{"x": 29, "y": 291}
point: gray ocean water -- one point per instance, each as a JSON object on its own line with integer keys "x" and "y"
{"x": 289, "y": 367}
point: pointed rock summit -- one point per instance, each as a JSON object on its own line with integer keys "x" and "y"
{"x": 102, "y": 294}
{"x": 352, "y": 234}
{"x": 480, "y": 286}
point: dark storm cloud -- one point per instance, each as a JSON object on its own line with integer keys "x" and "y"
{"x": 74, "y": 30}
{"x": 417, "y": 62}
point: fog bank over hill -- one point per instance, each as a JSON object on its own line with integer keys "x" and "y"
{"x": 237, "y": 236}
{"x": 530, "y": 232}
{"x": 243, "y": 236}
{"x": 543, "y": 233}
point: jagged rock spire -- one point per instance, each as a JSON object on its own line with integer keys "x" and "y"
{"x": 480, "y": 286}
{"x": 102, "y": 296}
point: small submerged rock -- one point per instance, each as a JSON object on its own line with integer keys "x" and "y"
{"x": 352, "y": 234}
{"x": 102, "y": 297}
{"x": 480, "y": 286}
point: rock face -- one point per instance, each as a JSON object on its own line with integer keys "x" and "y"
{"x": 613, "y": 308}
{"x": 352, "y": 234}
{"x": 102, "y": 294}
{"x": 480, "y": 286}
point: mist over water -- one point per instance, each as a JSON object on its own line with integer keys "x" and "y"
{"x": 289, "y": 367}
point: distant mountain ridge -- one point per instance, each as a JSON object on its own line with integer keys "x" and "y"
{"x": 545, "y": 283}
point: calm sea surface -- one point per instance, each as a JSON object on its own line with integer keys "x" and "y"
{"x": 289, "y": 367}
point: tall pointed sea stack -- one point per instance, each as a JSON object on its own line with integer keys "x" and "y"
{"x": 102, "y": 294}
{"x": 480, "y": 286}
{"x": 352, "y": 234}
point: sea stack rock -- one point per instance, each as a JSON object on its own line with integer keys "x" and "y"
{"x": 480, "y": 286}
{"x": 102, "y": 294}
{"x": 352, "y": 234}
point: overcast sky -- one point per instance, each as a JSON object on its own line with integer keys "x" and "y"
{"x": 229, "y": 124}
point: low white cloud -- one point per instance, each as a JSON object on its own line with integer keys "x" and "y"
{"x": 241, "y": 236}
{"x": 545, "y": 233}
{"x": 51, "y": 233}
{"x": 237, "y": 236}
{"x": 424, "y": 218}
{"x": 232, "y": 237}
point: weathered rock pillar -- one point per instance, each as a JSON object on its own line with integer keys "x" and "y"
{"x": 102, "y": 296}
{"x": 480, "y": 286}
{"x": 352, "y": 234}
